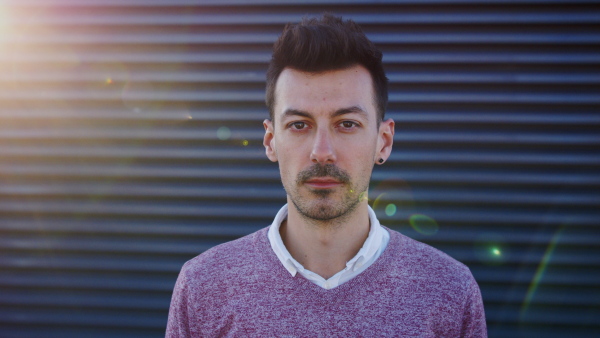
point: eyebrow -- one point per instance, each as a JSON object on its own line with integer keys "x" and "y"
{"x": 339, "y": 112}
{"x": 295, "y": 112}
{"x": 350, "y": 110}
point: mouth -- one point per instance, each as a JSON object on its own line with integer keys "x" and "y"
{"x": 323, "y": 183}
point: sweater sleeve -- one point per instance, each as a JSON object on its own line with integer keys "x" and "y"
{"x": 178, "y": 323}
{"x": 473, "y": 324}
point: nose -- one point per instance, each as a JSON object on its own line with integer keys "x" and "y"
{"x": 323, "y": 150}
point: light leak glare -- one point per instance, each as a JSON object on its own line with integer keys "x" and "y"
{"x": 363, "y": 196}
{"x": 541, "y": 270}
{"x": 3, "y": 20}
{"x": 223, "y": 133}
{"x": 423, "y": 224}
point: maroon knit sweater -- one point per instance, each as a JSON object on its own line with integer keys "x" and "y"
{"x": 241, "y": 289}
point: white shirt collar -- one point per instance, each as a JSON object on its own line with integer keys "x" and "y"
{"x": 374, "y": 244}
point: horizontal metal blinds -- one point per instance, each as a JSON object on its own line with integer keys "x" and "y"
{"x": 130, "y": 141}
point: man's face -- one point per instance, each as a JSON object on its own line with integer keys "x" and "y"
{"x": 326, "y": 138}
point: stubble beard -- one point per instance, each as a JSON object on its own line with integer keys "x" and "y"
{"x": 319, "y": 205}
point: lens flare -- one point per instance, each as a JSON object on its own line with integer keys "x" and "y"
{"x": 396, "y": 192}
{"x": 245, "y": 143}
{"x": 223, "y": 133}
{"x": 390, "y": 209}
{"x": 539, "y": 274}
{"x": 491, "y": 249}
{"x": 4, "y": 22}
{"x": 377, "y": 202}
{"x": 363, "y": 196}
{"x": 423, "y": 224}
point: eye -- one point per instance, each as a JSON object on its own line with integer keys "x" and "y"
{"x": 298, "y": 125}
{"x": 348, "y": 124}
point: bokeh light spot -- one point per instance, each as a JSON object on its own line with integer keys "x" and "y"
{"x": 223, "y": 133}
{"x": 245, "y": 143}
{"x": 491, "y": 249}
{"x": 423, "y": 224}
{"x": 390, "y": 209}
{"x": 109, "y": 80}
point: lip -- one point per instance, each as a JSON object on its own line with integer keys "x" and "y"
{"x": 323, "y": 183}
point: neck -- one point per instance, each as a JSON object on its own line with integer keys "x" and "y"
{"x": 324, "y": 247}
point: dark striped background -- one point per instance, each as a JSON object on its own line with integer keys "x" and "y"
{"x": 130, "y": 141}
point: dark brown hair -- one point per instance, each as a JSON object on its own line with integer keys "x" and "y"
{"x": 326, "y": 43}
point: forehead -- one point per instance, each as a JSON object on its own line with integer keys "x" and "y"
{"x": 325, "y": 91}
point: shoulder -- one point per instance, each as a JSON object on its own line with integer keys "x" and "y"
{"x": 230, "y": 258}
{"x": 426, "y": 263}
{"x": 428, "y": 278}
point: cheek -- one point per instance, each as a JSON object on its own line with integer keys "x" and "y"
{"x": 287, "y": 166}
{"x": 291, "y": 152}
{"x": 360, "y": 154}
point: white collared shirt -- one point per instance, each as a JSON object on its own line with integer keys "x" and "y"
{"x": 374, "y": 245}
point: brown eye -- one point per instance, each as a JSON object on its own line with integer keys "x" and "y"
{"x": 299, "y": 125}
{"x": 348, "y": 124}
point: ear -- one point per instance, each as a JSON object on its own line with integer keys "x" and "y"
{"x": 385, "y": 140}
{"x": 269, "y": 141}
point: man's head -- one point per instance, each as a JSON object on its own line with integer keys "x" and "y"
{"x": 328, "y": 43}
{"x": 326, "y": 131}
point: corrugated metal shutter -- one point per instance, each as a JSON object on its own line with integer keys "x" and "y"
{"x": 130, "y": 141}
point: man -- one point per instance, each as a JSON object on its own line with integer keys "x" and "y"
{"x": 326, "y": 267}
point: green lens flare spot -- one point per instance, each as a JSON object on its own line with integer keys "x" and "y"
{"x": 423, "y": 224}
{"x": 491, "y": 249}
{"x": 390, "y": 209}
{"x": 223, "y": 133}
{"x": 245, "y": 143}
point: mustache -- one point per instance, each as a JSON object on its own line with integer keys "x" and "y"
{"x": 326, "y": 170}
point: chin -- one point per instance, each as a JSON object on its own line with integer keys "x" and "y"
{"x": 324, "y": 209}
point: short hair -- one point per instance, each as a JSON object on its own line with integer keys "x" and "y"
{"x": 327, "y": 43}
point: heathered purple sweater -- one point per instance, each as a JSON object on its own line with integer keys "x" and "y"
{"x": 241, "y": 289}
